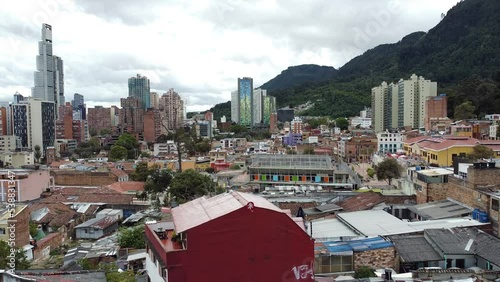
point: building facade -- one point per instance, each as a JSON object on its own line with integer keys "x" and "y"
{"x": 172, "y": 110}
{"x": 100, "y": 118}
{"x": 378, "y": 94}
{"x": 245, "y": 101}
{"x": 79, "y": 107}
{"x": 34, "y": 123}
{"x": 131, "y": 115}
{"x": 389, "y": 142}
{"x": 435, "y": 108}
{"x": 154, "y": 99}
{"x": 152, "y": 125}
{"x": 139, "y": 88}
{"x": 49, "y": 76}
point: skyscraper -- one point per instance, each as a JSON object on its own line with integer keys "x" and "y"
{"x": 172, "y": 108}
{"x": 79, "y": 107}
{"x": 34, "y": 123}
{"x": 138, "y": 87}
{"x": 245, "y": 95}
{"x": 235, "y": 107}
{"x": 49, "y": 75}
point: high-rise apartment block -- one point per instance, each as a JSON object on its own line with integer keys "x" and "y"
{"x": 33, "y": 122}
{"x": 152, "y": 125}
{"x": 100, "y": 118}
{"x": 138, "y": 87}
{"x": 5, "y": 119}
{"x": 154, "y": 98}
{"x": 401, "y": 105}
{"x": 245, "y": 101}
{"x": 71, "y": 129}
{"x": 131, "y": 115}
{"x": 49, "y": 75}
{"x": 172, "y": 108}
{"x": 235, "y": 107}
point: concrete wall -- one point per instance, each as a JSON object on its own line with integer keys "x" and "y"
{"x": 380, "y": 258}
{"x": 48, "y": 244}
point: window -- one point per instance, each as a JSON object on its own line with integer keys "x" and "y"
{"x": 2, "y": 231}
{"x": 494, "y": 204}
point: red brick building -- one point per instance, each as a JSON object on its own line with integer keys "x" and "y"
{"x": 131, "y": 115}
{"x": 435, "y": 107}
{"x": 100, "y": 118}
{"x": 152, "y": 125}
{"x": 231, "y": 237}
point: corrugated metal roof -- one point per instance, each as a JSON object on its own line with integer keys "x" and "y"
{"x": 202, "y": 210}
{"x": 358, "y": 245}
{"x": 439, "y": 210}
{"x": 415, "y": 248}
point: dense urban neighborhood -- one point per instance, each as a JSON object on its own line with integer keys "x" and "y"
{"x": 262, "y": 188}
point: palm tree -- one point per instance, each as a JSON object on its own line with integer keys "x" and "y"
{"x": 38, "y": 153}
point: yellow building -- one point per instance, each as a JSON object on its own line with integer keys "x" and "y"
{"x": 172, "y": 164}
{"x": 442, "y": 151}
{"x": 202, "y": 165}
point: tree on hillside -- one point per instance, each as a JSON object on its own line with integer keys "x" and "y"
{"x": 388, "y": 169}
{"x": 464, "y": 111}
{"x": 118, "y": 153}
{"x": 21, "y": 261}
{"x": 189, "y": 185}
{"x": 481, "y": 152}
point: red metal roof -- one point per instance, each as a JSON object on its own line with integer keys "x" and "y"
{"x": 202, "y": 210}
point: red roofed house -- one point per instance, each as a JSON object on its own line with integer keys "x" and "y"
{"x": 229, "y": 237}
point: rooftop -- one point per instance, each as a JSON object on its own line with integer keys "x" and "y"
{"x": 202, "y": 210}
{"x": 351, "y": 246}
{"x": 440, "y": 209}
{"x": 436, "y": 172}
{"x": 292, "y": 161}
{"x": 415, "y": 248}
{"x": 98, "y": 223}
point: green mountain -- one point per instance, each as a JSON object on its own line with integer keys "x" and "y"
{"x": 461, "y": 53}
{"x": 297, "y": 75}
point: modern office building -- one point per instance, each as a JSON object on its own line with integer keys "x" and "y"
{"x": 172, "y": 108}
{"x": 235, "y": 107}
{"x": 285, "y": 114}
{"x": 138, "y": 87}
{"x": 79, "y": 107}
{"x": 49, "y": 75}
{"x": 18, "y": 98}
{"x": 258, "y": 106}
{"x": 401, "y": 105}
{"x": 34, "y": 123}
{"x": 245, "y": 101}
{"x": 269, "y": 108}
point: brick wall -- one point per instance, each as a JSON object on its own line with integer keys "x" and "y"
{"x": 85, "y": 178}
{"x": 47, "y": 244}
{"x": 480, "y": 177}
{"x": 380, "y": 258}
{"x": 458, "y": 190}
{"x": 22, "y": 227}
{"x": 431, "y": 192}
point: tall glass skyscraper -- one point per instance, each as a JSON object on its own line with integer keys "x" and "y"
{"x": 138, "y": 87}
{"x": 49, "y": 75}
{"x": 245, "y": 93}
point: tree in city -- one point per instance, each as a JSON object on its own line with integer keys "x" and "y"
{"x": 370, "y": 172}
{"x": 128, "y": 142}
{"x": 118, "y": 153}
{"x": 113, "y": 275}
{"x": 89, "y": 148}
{"x": 93, "y": 132}
{"x": 141, "y": 172}
{"x": 21, "y": 262}
{"x": 234, "y": 167}
{"x": 105, "y": 131}
{"x": 38, "y": 153}
{"x": 132, "y": 237}
{"x": 364, "y": 272}
{"x": 158, "y": 180}
{"x": 203, "y": 146}
{"x": 189, "y": 184}
{"x": 309, "y": 150}
{"x": 481, "y": 152}
{"x": 388, "y": 169}
{"x": 162, "y": 139}
{"x": 342, "y": 123}
{"x": 464, "y": 111}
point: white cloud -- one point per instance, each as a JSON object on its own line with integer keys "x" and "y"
{"x": 199, "y": 49}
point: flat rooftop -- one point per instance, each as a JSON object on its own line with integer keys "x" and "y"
{"x": 439, "y": 210}
{"x": 164, "y": 231}
{"x": 292, "y": 161}
{"x": 435, "y": 172}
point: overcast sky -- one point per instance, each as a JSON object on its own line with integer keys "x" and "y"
{"x": 198, "y": 47}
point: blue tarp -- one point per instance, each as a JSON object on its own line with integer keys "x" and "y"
{"x": 358, "y": 245}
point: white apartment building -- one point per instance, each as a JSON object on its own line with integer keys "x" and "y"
{"x": 493, "y": 131}
{"x": 378, "y": 94}
{"x": 401, "y": 105}
{"x": 235, "y": 107}
{"x": 164, "y": 148}
{"x": 7, "y": 143}
{"x": 389, "y": 142}
{"x": 493, "y": 117}
{"x": 17, "y": 159}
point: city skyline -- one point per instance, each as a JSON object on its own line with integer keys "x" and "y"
{"x": 201, "y": 41}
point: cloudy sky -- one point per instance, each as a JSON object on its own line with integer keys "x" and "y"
{"x": 197, "y": 47}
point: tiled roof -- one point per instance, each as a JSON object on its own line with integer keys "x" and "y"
{"x": 126, "y": 186}
{"x": 415, "y": 140}
{"x": 109, "y": 198}
{"x": 362, "y": 201}
{"x": 118, "y": 172}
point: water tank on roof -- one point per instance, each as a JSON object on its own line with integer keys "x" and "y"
{"x": 475, "y": 214}
{"x": 418, "y": 168}
{"x": 483, "y": 217}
